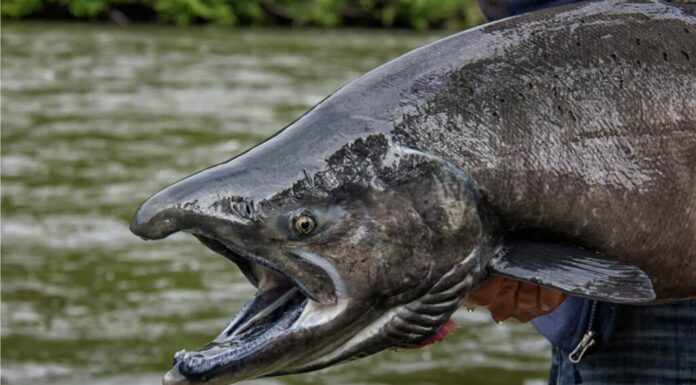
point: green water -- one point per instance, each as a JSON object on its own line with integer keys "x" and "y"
{"x": 95, "y": 119}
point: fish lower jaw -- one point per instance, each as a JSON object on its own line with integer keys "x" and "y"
{"x": 250, "y": 332}
{"x": 280, "y": 308}
{"x": 271, "y": 313}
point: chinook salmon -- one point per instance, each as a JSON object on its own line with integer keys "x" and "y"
{"x": 557, "y": 147}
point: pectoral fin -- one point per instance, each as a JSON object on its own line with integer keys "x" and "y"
{"x": 573, "y": 270}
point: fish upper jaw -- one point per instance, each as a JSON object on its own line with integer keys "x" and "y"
{"x": 229, "y": 226}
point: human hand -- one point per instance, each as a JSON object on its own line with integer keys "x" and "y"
{"x": 507, "y": 297}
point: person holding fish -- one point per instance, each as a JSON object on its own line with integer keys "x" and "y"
{"x": 546, "y": 153}
{"x": 594, "y": 343}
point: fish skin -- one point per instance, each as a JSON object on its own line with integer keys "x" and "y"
{"x": 590, "y": 136}
{"x": 576, "y": 124}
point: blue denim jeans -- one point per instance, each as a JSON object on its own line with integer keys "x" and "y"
{"x": 650, "y": 345}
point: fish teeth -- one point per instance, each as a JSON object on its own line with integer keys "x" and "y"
{"x": 178, "y": 356}
{"x": 193, "y": 360}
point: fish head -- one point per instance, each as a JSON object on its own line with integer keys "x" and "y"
{"x": 370, "y": 248}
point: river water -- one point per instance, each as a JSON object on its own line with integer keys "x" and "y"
{"x": 94, "y": 119}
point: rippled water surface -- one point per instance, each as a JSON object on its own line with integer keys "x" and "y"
{"x": 94, "y": 119}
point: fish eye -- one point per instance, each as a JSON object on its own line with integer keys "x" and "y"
{"x": 304, "y": 224}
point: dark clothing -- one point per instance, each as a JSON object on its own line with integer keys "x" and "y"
{"x": 650, "y": 345}
{"x": 576, "y": 317}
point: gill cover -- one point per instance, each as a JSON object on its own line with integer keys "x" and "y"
{"x": 448, "y": 207}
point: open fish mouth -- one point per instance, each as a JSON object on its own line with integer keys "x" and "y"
{"x": 271, "y": 313}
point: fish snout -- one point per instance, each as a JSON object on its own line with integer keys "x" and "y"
{"x": 156, "y": 219}
{"x": 185, "y": 205}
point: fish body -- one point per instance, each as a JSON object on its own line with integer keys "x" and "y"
{"x": 583, "y": 130}
{"x": 557, "y": 147}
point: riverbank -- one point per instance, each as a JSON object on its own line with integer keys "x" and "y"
{"x": 407, "y": 14}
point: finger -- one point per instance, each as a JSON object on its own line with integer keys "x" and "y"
{"x": 527, "y": 296}
{"x": 527, "y": 302}
{"x": 504, "y": 305}
{"x": 549, "y": 299}
{"x": 485, "y": 295}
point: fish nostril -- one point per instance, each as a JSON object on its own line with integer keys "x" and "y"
{"x": 244, "y": 209}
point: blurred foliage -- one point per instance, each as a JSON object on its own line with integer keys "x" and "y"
{"x": 416, "y": 14}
